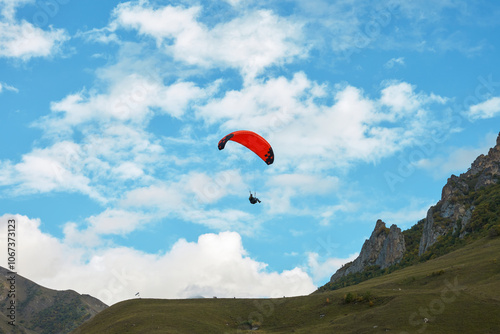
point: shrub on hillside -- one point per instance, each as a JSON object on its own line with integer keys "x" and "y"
{"x": 494, "y": 231}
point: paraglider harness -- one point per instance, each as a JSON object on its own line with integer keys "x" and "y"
{"x": 253, "y": 199}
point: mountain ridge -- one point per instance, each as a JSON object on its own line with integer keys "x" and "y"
{"x": 454, "y": 214}
{"x": 39, "y": 310}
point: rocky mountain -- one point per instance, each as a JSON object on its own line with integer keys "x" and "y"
{"x": 469, "y": 203}
{"x": 454, "y": 212}
{"x": 384, "y": 248}
{"x": 41, "y": 310}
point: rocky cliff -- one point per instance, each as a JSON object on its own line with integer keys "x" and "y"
{"x": 454, "y": 211}
{"x": 457, "y": 212}
{"x": 384, "y": 248}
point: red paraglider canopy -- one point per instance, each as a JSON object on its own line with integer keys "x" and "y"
{"x": 252, "y": 141}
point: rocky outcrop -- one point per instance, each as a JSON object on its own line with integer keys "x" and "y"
{"x": 385, "y": 247}
{"x": 452, "y": 213}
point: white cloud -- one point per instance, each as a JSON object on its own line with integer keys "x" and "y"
{"x": 160, "y": 197}
{"x": 22, "y": 39}
{"x": 130, "y": 98}
{"x": 4, "y": 86}
{"x": 394, "y": 61}
{"x": 311, "y": 134}
{"x": 38, "y": 253}
{"x": 400, "y": 97}
{"x": 189, "y": 198}
{"x": 250, "y": 43}
{"x": 265, "y": 106}
{"x": 25, "y": 40}
{"x": 201, "y": 188}
{"x": 9, "y": 7}
{"x": 308, "y": 133}
{"x": 116, "y": 221}
{"x": 128, "y": 171}
{"x": 485, "y": 110}
{"x": 46, "y": 170}
{"x": 97, "y": 167}
{"x": 214, "y": 265}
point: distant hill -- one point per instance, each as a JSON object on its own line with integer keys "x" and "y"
{"x": 455, "y": 293}
{"x": 43, "y": 311}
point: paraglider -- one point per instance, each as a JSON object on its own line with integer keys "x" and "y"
{"x": 253, "y": 142}
{"x": 253, "y": 199}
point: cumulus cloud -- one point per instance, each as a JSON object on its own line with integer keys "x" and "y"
{"x": 190, "y": 197}
{"x": 201, "y": 188}
{"x": 264, "y": 105}
{"x": 310, "y": 132}
{"x": 314, "y": 135}
{"x": 120, "y": 163}
{"x": 38, "y": 254}
{"x": 97, "y": 167}
{"x": 484, "y": 110}
{"x": 24, "y": 40}
{"x": 401, "y": 97}
{"x": 250, "y": 42}
{"x": 116, "y": 221}
{"x": 46, "y": 170}
{"x": 214, "y": 265}
{"x": 131, "y": 98}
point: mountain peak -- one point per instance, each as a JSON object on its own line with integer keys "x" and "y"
{"x": 449, "y": 214}
{"x": 384, "y": 248}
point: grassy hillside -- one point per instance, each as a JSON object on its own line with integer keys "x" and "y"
{"x": 458, "y": 292}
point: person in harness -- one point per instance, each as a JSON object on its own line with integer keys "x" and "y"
{"x": 253, "y": 199}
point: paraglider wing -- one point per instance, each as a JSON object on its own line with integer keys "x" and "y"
{"x": 252, "y": 141}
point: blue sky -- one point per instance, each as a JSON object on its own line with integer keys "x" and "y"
{"x": 110, "y": 115}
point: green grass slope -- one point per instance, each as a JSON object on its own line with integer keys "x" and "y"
{"x": 455, "y": 293}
